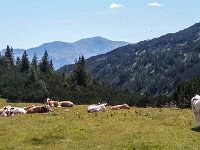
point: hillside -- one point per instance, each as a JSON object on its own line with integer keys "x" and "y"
{"x": 153, "y": 66}
{"x": 65, "y": 53}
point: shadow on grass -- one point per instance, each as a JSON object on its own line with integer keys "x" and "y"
{"x": 196, "y": 129}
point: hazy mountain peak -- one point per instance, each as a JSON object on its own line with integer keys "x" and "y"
{"x": 65, "y": 53}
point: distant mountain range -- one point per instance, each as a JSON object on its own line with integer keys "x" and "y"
{"x": 153, "y": 66}
{"x": 66, "y": 53}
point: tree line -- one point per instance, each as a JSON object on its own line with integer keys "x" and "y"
{"x": 24, "y": 80}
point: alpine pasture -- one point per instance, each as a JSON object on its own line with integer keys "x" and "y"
{"x": 76, "y": 129}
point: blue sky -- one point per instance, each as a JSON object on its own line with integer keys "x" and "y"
{"x": 30, "y": 23}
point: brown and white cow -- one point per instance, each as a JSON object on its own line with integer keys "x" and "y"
{"x": 52, "y": 103}
{"x": 122, "y": 106}
{"x": 65, "y": 104}
{"x": 39, "y": 109}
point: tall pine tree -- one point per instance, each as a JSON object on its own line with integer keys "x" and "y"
{"x": 25, "y": 62}
{"x": 80, "y": 74}
{"x": 9, "y": 56}
{"x": 44, "y": 64}
{"x": 34, "y": 63}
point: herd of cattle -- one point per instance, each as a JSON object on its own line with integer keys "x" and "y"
{"x": 10, "y": 111}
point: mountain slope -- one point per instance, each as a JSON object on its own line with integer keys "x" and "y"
{"x": 65, "y": 53}
{"x": 154, "y": 66}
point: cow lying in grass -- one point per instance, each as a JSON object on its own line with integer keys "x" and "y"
{"x": 18, "y": 110}
{"x": 123, "y": 106}
{"x": 65, "y": 104}
{"x": 97, "y": 108}
{"x": 53, "y": 103}
{"x": 11, "y": 111}
{"x": 39, "y": 109}
{"x": 195, "y": 103}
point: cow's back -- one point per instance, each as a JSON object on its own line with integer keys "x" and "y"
{"x": 18, "y": 110}
{"x": 35, "y": 109}
{"x": 66, "y": 104}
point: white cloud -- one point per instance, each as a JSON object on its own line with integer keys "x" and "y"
{"x": 154, "y": 4}
{"x": 116, "y": 5}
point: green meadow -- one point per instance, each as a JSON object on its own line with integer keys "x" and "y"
{"x": 137, "y": 128}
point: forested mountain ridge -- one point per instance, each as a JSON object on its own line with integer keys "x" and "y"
{"x": 152, "y": 66}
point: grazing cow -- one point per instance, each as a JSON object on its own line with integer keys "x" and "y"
{"x": 195, "y": 103}
{"x": 39, "y": 109}
{"x": 97, "y": 108}
{"x": 117, "y": 107}
{"x": 65, "y": 104}
{"x": 52, "y": 103}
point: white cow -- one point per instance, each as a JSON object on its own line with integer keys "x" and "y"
{"x": 10, "y": 111}
{"x": 96, "y": 108}
{"x": 195, "y": 103}
{"x": 18, "y": 110}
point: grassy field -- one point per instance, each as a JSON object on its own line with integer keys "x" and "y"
{"x": 138, "y": 128}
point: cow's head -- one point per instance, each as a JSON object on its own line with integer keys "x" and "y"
{"x": 48, "y": 99}
{"x": 48, "y": 108}
{"x": 8, "y": 111}
{"x": 197, "y": 97}
{"x": 103, "y": 107}
{"x": 105, "y": 104}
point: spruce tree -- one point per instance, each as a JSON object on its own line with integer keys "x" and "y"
{"x": 25, "y": 62}
{"x": 34, "y": 62}
{"x": 51, "y": 65}
{"x": 44, "y": 65}
{"x": 80, "y": 74}
{"x": 33, "y": 75}
{"x": 1, "y": 63}
{"x": 84, "y": 73}
{"x": 18, "y": 63}
{"x": 9, "y": 56}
